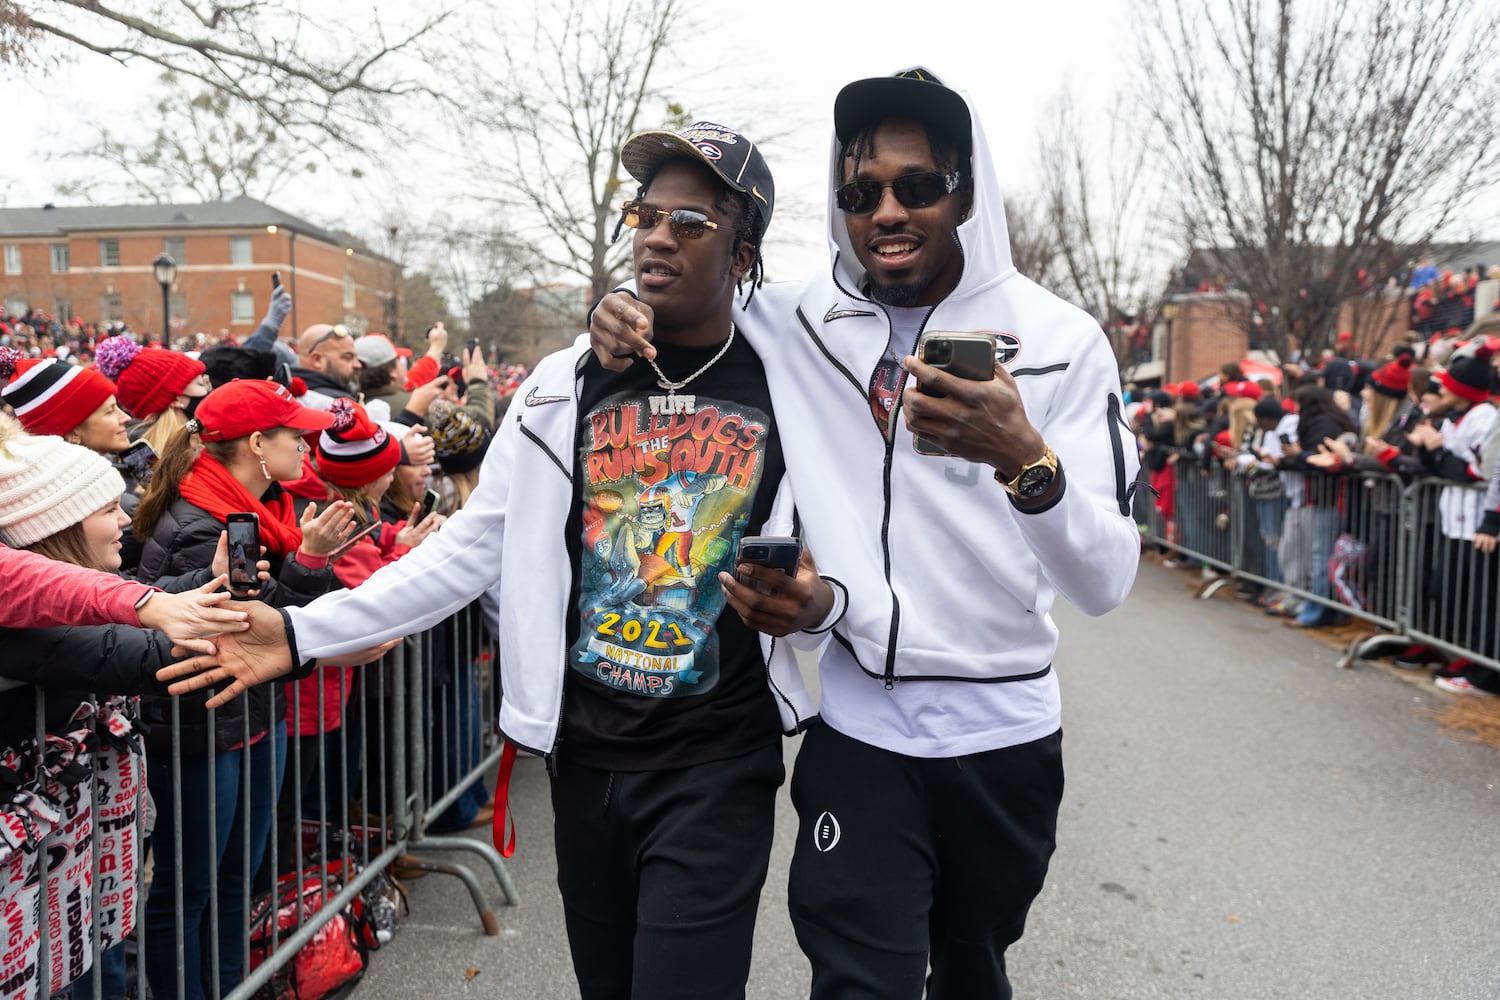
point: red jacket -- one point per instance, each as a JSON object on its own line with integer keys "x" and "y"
{"x": 352, "y": 568}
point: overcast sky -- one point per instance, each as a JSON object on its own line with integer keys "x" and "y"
{"x": 792, "y": 55}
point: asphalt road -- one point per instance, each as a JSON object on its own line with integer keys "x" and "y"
{"x": 1242, "y": 820}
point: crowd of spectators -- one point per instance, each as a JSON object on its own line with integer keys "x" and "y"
{"x": 1299, "y": 445}
{"x": 120, "y": 456}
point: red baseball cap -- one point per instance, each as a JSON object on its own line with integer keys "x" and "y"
{"x": 244, "y": 406}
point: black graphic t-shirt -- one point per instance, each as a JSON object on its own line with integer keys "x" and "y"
{"x": 662, "y": 673}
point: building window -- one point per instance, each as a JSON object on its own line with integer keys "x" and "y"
{"x": 63, "y": 310}
{"x": 109, "y": 253}
{"x": 241, "y": 308}
{"x": 179, "y": 308}
{"x": 15, "y": 307}
{"x": 174, "y": 247}
{"x": 60, "y": 258}
{"x": 12, "y": 259}
{"x": 111, "y": 308}
{"x": 239, "y": 251}
{"x": 348, "y": 290}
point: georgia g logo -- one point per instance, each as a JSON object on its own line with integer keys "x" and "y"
{"x": 1007, "y": 348}
{"x": 826, "y": 833}
{"x": 709, "y": 150}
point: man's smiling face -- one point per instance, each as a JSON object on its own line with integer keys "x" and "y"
{"x": 910, "y": 255}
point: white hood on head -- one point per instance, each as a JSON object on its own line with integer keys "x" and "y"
{"x": 985, "y": 237}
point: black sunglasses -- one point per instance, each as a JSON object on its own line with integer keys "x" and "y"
{"x": 911, "y": 190}
{"x": 686, "y": 224}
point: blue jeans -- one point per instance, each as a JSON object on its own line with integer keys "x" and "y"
{"x": 110, "y": 968}
{"x": 1325, "y": 531}
{"x": 455, "y": 710}
{"x": 196, "y": 866}
{"x": 1268, "y": 516}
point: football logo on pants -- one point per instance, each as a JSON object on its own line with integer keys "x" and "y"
{"x": 826, "y": 833}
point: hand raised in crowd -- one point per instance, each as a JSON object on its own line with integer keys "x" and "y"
{"x": 981, "y": 421}
{"x": 619, "y": 329}
{"x": 322, "y": 533}
{"x": 771, "y": 602}
{"x": 411, "y": 536}
{"x": 1331, "y": 454}
{"x": 1484, "y": 543}
{"x": 422, "y": 396}
{"x": 474, "y": 366}
{"x": 437, "y": 341}
{"x": 220, "y": 565}
{"x": 189, "y": 616}
{"x": 258, "y": 654}
{"x": 419, "y": 446}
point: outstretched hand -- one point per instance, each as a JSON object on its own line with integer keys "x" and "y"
{"x": 769, "y": 601}
{"x": 188, "y": 617}
{"x": 620, "y": 328}
{"x": 254, "y": 656}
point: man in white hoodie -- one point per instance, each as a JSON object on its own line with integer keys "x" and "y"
{"x": 929, "y": 797}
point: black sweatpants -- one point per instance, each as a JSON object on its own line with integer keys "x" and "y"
{"x": 661, "y": 872}
{"x": 905, "y": 860}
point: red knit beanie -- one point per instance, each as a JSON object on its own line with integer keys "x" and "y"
{"x": 1394, "y": 378}
{"x": 149, "y": 379}
{"x": 355, "y": 451}
{"x": 51, "y": 396}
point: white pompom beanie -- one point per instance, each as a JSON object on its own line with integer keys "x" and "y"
{"x": 47, "y": 485}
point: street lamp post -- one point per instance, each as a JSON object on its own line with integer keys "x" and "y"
{"x": 166, "y": 273}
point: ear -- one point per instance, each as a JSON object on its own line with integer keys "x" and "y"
{"x": 743, "y": 260}
{"x": 256, "y": 442}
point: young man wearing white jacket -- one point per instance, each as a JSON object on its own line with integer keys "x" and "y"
{"x": 604, "y": 527}
{"x": 928, "y": 798}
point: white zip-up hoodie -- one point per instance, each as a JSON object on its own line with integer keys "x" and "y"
{"x": 508, "y": 543}
{"x": 947, "y": 642}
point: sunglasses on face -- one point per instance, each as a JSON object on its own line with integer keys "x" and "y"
{"x": 686, "y": 224}
{"x": 912, "y": 191}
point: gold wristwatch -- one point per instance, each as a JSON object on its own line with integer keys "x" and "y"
{"x": 1033, "y": 479}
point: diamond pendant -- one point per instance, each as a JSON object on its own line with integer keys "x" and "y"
{"x": 671, "y": 403}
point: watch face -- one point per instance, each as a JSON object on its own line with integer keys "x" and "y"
{"x": 1034, "y": 481}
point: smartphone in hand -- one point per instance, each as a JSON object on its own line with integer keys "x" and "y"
{"x": 966, "y": 355}
{"x": 275, "y": 280}
{"x": 779, "y": 552}
{"x": 244, "y": 551}
{"x": 424, "y": 507}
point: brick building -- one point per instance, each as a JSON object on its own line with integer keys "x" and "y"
{"x": 95, "y": 263}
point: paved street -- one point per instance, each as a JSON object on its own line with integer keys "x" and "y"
{"x": 1243, "y": 820}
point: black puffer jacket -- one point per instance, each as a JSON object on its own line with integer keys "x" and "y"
{"x": 72, "y": 663}
{"x": 183, "y": 541}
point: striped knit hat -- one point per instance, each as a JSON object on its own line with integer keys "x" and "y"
{"x": 51, "y": 396}
{"x": 48, "y": 485}
{"x": 355, "y": 451}
{"x": 149, "y": 379}
{"x": 458, "y": 439}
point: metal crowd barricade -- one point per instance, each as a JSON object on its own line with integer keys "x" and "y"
{"x": 373, "y": 756}
{"x": 1366, "y": 545}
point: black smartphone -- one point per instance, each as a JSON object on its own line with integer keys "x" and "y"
{"x": 1285, "y": 438}
{"x": 966, "y": 355}
{"x": 348, "y": 543}
{"x": 244, "y": 551}
{"x": 473, "y": 346}
{"x": 779, "y": 552}
{"x": 275, "y": 280}
{"x": 424, "y": 507}
{"x": 140, "y": 459}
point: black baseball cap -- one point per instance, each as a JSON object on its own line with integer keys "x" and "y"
{"x": 914, "y": 93}
{"x": 726, "y": 152}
